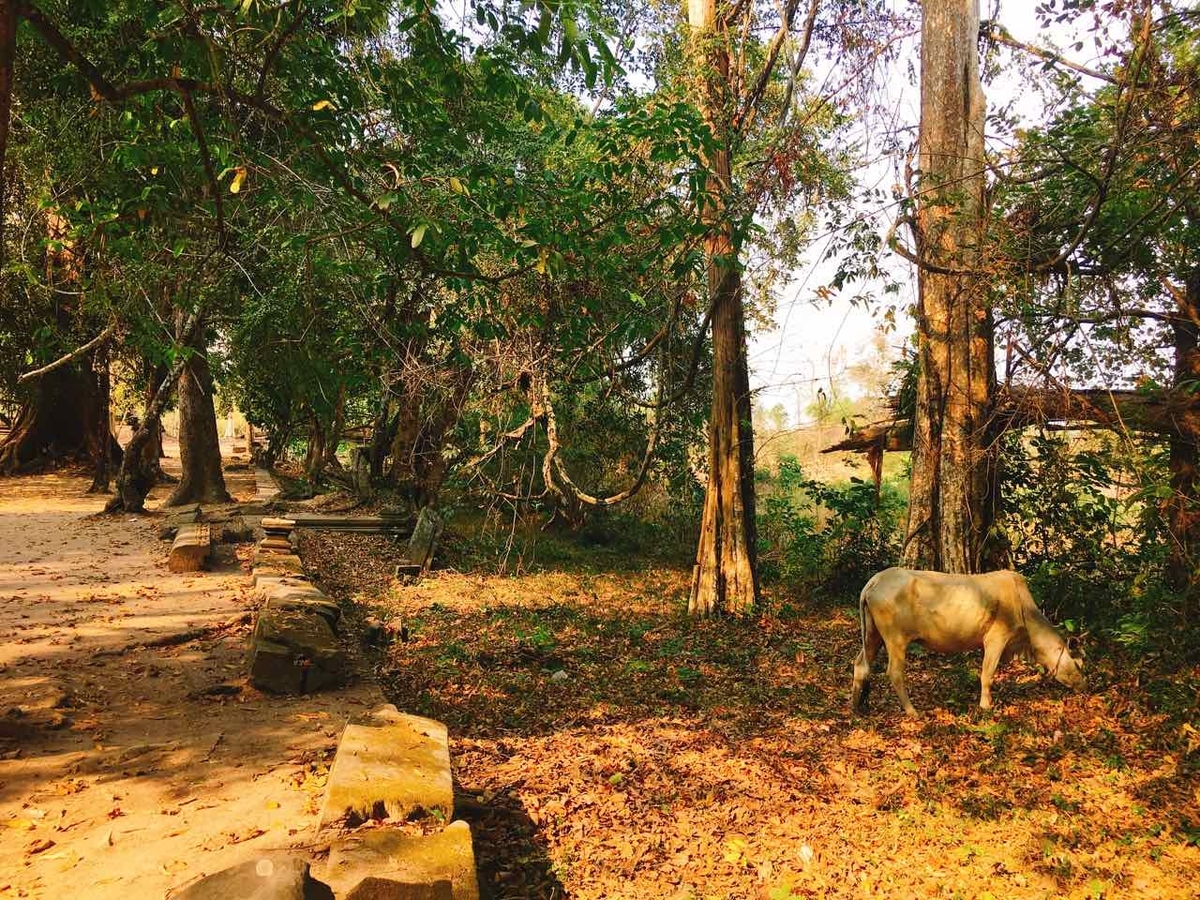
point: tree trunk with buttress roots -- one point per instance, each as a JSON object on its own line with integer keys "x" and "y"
{"x": 725, "y": 577}
{"x": 202, "y": 480}
{"x": 951, "y": 499}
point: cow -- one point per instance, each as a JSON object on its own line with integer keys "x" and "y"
{"x": 952, "y": 614}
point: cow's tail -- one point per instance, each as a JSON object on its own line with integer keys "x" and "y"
{"x": 863, "y": 611}
{"x": 860, "y": 693}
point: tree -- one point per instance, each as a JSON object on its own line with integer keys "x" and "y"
{"x": 725, "y": 577}
{"x": 202, "y": 480}
{"x": 949, "y": 503}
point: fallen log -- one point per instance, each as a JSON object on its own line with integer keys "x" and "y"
{"x": 1167, "y": 413}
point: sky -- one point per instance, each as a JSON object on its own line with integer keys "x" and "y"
{"x": 813, "y": 343}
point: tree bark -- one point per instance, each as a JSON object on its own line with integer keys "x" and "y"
{"x": 950, "y": 505}
{"x": 102, "y": 446}
{"x": 335, "y": 430}
{"x": 314, "y": 457}
{"x": 725, "y": 577}
{"x": 202, "y": 480}
{"x": 1183, "y": 509}
{"x": 52, "y": 425}
{"x": 135, "y": 478}
{"x": 8, "y": 48}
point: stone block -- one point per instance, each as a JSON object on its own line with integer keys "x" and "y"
{"x": 425, "y": 538}
{"x": 291, "y": 599}
{"x": 397, "y": 767}
{"x": 273, "y": 667}
{"x": 263, "y": 581}
{"x": 279, "y": 563}
{"x": 190, "y": 548}
{"x": 293, "y": 650}
{"x": 379, "y": 859}
{"x": 235, "y": 530}
{"x": 372, "y": 888}
{"x": 271, "y": 876}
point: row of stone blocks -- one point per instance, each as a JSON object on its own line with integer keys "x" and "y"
{"x": 390, "y": 792}
{"x": 395, "y": 768}
{"x": 294, "y": 646}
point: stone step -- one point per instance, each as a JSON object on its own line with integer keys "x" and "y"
{"x": 190, "y": 549}
{"x": 397, "y": 766}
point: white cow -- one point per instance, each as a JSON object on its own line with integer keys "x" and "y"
{"x": 952, "y": 614}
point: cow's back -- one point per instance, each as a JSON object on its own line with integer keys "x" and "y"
{"x": 946, "y": 613}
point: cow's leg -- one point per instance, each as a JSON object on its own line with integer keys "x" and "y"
{"x": 993, "y": 651}
{"x": 860, "y": 695}
{"x": 897, "y": 650}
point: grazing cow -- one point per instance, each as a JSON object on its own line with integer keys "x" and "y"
{"x": 951, "y": 614}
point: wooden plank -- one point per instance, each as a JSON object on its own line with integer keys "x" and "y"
{"x": 370, "y": 524}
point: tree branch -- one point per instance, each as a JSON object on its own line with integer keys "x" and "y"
{"x": 996, "y": 32}
{"x": 74, "y": 354}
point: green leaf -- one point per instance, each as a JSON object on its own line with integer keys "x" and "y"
{"x": 418, "y": 235}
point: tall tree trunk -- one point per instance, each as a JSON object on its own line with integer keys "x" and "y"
{"x": 102, "y": 446}
{"x": 725, "y": 577}
{"x": 153, "y": 449}
{"x": 335, "y": 430}
{"x": 8, "y": 49}
{"x": 951, "y": 497}
{"x": 314, "y": 459}
{"x": 1183, "y": 511}
{"x": 202, "y": 480}
{"x": 135, "y": 478}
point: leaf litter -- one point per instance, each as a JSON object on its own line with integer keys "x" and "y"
{"x": 607, "y": 746}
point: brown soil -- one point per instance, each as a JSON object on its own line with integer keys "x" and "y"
{"x": 127, "y": 770}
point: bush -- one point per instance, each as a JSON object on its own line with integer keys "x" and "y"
{"x": 822, "y": 538}
{"x": 1083, "y": 524}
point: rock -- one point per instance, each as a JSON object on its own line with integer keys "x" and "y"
{"x": 560, "y": 675}
{"x": 274, "y": 667}
{"x": 396, "y": 767}
{"x": 372, "y": 888}
{"x": 190, "y": 549}
{"x": 233, "y": 531}
{"x": 187, "y": 515}
{"x": 407, "y": 573}
{"x": 379, "y": 859}
{"x": 294, "y": 650}
{"x": 272, "y": 876}
{"x": 374, "y": 632}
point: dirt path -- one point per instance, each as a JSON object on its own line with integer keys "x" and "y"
{"x": 125, "y": 771}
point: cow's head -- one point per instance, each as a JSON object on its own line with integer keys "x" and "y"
{"x": 1068, "y": 667}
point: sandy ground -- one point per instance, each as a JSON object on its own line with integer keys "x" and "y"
{"x": 126, "y": 771}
